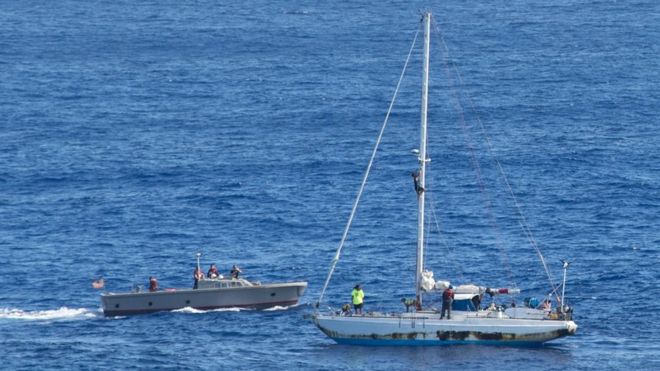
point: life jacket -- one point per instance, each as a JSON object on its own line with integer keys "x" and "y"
{"x": 358, "y": 296}
{"x": 448, "y": 295}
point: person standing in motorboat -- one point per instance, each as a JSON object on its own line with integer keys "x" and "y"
{"x": 213, "y": 272}
{"x": 358, "y": 299}
{"x": 153, "y": 284}
{"x": 197, "y": 276}
{"x": 447, "y": 301}
{"x": 235, "y": 271}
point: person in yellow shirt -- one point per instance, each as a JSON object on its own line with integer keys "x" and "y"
{"x": 358, "y": 299}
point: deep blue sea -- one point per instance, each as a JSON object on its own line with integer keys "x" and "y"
{"x": 134, "y": 134}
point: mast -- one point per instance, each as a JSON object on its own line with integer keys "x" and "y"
{"x": 422, "y": 160}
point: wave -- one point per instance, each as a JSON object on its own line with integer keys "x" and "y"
{"x": 188, "y": 310}
{"x": 278, "y": 307}
{"x": 197, "y": 311}
{"x": 63, "y": 313}
{"x": 232, "y": 309}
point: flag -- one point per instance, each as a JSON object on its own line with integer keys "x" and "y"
{"x": 98, "y": 284}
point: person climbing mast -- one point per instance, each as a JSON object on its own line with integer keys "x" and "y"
{"x": 418, "y": 188}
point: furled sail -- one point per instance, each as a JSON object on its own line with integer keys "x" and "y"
{"x": 428, "y": 283}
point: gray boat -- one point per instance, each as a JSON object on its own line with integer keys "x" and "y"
{"x": 211, "y": 293}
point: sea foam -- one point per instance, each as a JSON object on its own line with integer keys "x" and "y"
{"x": 63, "y": 313}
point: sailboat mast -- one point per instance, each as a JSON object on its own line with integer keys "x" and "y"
{"x": 422, "y": 159}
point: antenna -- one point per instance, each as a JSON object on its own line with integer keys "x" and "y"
{"x": 565, "y": 263}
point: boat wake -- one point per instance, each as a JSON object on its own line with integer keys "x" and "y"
{"x": 197, "y": 311}
{"x": 233, "y": 309}
{"x": 61, "y": 314}
{"x": 188, "y": 310}
{"x": 230, "y": 309}
{"x": 278, "y": 307}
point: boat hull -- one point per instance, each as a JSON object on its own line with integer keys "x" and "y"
{"x": 257, "y": 297}
{"x": 426, "y": 330}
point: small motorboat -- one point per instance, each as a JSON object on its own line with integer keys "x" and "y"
{"x": 210, "y": 293}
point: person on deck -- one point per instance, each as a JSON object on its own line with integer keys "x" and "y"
{"x": 235, "y": 271}
{"x": 213, "y": 272}
{"x": 153, "y": 284}
{"x": 476, "y": 301}
{"x": 409, "y": 303}
{"x": 447, "y": 301}
{"x": 197, "y": 276}
{"x": 358, "y": 299}
{"x": 546, "y": 305}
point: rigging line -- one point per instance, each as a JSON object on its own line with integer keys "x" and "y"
{"x": 474, "y": 161}
{"x": 366, "y": 173}
{"x": 522, "y": 220}
{"x": 442, "y": 237}
{"x": 427, "y": 188}
{"x": 427, "y": 228}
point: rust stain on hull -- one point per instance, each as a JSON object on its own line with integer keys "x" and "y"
{"x": 500, "y": 336}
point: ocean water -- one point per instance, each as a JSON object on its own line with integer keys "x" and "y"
{"x": 135, "y": 134}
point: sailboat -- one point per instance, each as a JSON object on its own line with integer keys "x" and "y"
{"x": 526, "y": 324}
